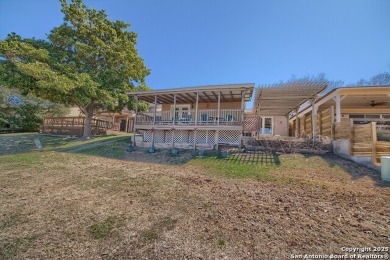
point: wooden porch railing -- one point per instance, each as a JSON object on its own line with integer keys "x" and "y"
{"x": 204, "y": 117}
{"x": 73, "y": 126}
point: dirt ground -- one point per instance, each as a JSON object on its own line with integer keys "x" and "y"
{"x": 86, "y": 205}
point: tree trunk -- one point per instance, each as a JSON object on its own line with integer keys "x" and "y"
{"x": 87, "y": 123}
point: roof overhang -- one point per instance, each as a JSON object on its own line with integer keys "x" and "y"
{"x": 229, "y": 93}
{"x": 354, "y": 98}
{"x": 281, "y": 99}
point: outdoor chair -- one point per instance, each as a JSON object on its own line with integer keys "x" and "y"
{"x": 204, "y": 117}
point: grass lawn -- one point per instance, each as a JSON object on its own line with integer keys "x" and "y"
{"x": 91, "y": 200}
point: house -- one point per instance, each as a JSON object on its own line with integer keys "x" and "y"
{"x": 356, "y": 119}
{"x": 208, "y": 116}
{"x": 273, "y": 105}
{"x": 361, "y": 104}
{"x": 193, "y": 117}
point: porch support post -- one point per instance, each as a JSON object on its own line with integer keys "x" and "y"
{"x": 242, "y": 116}
{"x": 173, "y": 138}
{"x": 127, "y": 123}
{"x": 155, "y": 109}
{"x": 174, "y": 120}
{"x": 332, "y": 122}
{"x": 219, "y": 106}
{"x": 195, "y": 139}
{"x": 196, "y": 108}
{"x": 337, "y": 99}
{"x": 174, "y": 109}
{"x": 153, "y": 137}
{"x": 216, "y": 139}
{"x": 135, "y": 118}
{"x": 242, "y": 105}
{"x": 314, "y": 119}
{"x": 296, "y": 123}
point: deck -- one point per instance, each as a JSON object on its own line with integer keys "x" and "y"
{"x": 191, "y": 119}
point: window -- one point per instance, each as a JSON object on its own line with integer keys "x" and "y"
{"x": 356, "y": 116}
{"x": 373, "y": 116}
{"x": 181, "y": 111}
{"x": 266, "y": 126}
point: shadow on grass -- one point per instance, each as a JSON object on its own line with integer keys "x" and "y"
{"x": 254, "y": 157}
{"x": 354, "y": 170}
{"x": 24, "y": 143}
{"x": 113, "y": 147}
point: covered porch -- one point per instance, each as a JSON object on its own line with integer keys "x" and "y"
{"x": 220, "y": 105}
{"x": 192, "y": 117}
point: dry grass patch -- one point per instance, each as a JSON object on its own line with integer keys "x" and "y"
{"x": 84, "y": 204}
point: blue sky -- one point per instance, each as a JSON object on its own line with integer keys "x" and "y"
{"x": 203, "y": 42}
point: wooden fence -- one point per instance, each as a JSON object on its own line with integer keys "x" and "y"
{"x": 363, "y": 139}
{"x": 342, "y": 130}
{"x": 73, "y": 126}
{"x": 324, "y": 124}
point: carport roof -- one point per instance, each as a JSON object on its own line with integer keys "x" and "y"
{"x": 281, "y": 99}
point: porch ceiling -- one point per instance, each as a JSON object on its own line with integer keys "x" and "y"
{"x": 281, "y": 99}
{"x": 207, "y": 94}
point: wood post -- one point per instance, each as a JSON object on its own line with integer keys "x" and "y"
{"x": 338, "y": 108}
{"x": 216, "y": 139}
{"x": 152, "y": 137}
{"x": 127, "y": 124}
{"x": 195, "y": 139}
{"x": 332, "y": 122}
{"x": 173, "y": 138}
{"x": 135, "y": 119}
{"x": 174, "y": 109}
{"x": 313, "y": 119}
{"x": 374, "y": 142}
{"x": 242, "y": 105}
{"x": 320, "y": 123}
{"x": 296, "y": 123}
{"x": 351, "y": 137}
{"x": 155, "y": 109}
{"x": 219, "y": 106}
{"x": 196, "y": 108}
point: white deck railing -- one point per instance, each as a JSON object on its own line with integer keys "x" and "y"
{"x": 205, "y": 117}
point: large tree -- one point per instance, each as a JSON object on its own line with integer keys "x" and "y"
{"x": 88, "y": 61}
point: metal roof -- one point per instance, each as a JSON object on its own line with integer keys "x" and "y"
{"x": 185, "y": 95}
{"x": 281, "y": 99}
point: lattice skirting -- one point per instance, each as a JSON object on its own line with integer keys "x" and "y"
{"x": 205, "y": 137}
{"x": 165, "y": 136}
{"x": 229, "y": 137}
{"x": 187, "y": 138}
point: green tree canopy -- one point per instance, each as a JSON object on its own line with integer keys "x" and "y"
{"x": 25, "y": 112}
{"x": 88, "y": 61}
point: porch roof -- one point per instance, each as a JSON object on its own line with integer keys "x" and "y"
{"x": 356, "y": 100}
{"x": 186, "y": 95}
{"x": 281, "y": 99}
